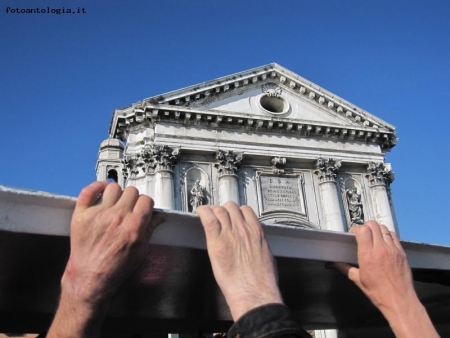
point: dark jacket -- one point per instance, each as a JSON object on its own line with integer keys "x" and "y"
{"x": 267, "y": 321}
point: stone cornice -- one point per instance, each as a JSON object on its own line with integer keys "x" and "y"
{"x": 148, "y": 114}
{"x": 226, "y": 86}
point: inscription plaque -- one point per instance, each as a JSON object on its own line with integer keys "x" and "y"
{"x": 281, "y": 193}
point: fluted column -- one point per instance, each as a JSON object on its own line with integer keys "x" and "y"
{"x": 332, "y": 211}
{"x": 379, "y": 177}
{"x": 164, "y": 159}
{"x": 228, "y": 164}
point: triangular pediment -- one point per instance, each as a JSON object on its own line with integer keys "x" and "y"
{"x": 265, "y": 98}
{"x": 261, "y": 91}
{"x": 281, "y": 103}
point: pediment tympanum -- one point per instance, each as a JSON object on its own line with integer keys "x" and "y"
{"x": 269, "y": 97}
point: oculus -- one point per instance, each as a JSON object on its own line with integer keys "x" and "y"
{"x": 273, "y": 104}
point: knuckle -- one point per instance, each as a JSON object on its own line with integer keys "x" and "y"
{"x": 115, "y": 218}
{"x": 201, "y": 208}
{"x": 131, "y": 189}
{"x": 384, "y": 228}
{"x": 220, "y": 211}
{"x": 363, "y": 229}
{"x": 146, "y": 199}
{"x": 79, "y": 218}
{"x": 213, "y": 223}
{"x": 258, "y": 231}
{"x": 134, "y": 236}
{"x": 114, "y": 186}
{"x": 230, "y": 204}
{"x": 150, "y": 200}
{"x": 372, "y": 223}
{"x": 246, "y": 208}
{"x": 86, "y": 190}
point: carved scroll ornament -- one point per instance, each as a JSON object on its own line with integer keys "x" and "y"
{"x": 278, "y": 164}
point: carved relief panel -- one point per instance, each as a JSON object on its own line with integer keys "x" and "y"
{"x": 281, "y": 195}
{"x": 280, "y": 192}
{"x": 282, "y": 198}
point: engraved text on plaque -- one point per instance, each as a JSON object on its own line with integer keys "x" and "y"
{"x": 281, "y": 192}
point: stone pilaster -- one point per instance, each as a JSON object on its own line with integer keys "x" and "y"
{"x": 327, "y": 172}
{"x": 164, "y": 159}
{"x": 380, "y": 178}
{"x": 228, "y": 164}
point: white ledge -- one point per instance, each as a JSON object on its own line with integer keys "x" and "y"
{"x": 36, "y": 212}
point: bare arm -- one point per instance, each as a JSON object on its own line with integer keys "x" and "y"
{"x": 109, "y": 236}
{"x": 385, "y": 278}
{"x": 245, "y": 271}
{"x": 240, "y": 257}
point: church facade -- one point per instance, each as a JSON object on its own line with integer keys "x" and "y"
{"x": 298, "y": 154}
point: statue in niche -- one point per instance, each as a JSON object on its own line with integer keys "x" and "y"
{"x": 197, "y": 196}
{"x": 355, "y": 206}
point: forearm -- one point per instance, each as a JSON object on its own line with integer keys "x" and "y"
{"x": 241, "y": 303}
{"x": 73, "y": 319}
{"x": 409, "y": 318}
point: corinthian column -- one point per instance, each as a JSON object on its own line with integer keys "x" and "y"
{"x": 332, "y": 211}
{"x": 228, "y": 164}
{"x": 164, "y": 159}
{"x": 379, "y": 177}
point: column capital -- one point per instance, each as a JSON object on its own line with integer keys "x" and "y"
{"x": 152, "y": 158}
{"x": 379, "y": 174}
{"x": 160, "y": 157}
{"x": 131, "y": 164}
{"x": 327, "y": 169}
{"x": 228, "y": 162}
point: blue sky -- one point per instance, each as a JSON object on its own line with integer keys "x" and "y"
{"x": 63, "y": 75}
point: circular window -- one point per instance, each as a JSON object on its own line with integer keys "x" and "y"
{"x": 273, "y": 104}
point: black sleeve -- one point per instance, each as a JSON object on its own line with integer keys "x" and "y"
{"x": 267, "y": 321}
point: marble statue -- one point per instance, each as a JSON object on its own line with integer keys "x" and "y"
{"x": 355, "y": 206}
{"x": 197, "y": 196}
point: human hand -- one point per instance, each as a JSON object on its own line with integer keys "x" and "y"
{"x": 240, "y": 257}
{"x": 385, "y": 278}
{"x": 109, "y": 236}
{"x": 383, "y": 274}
